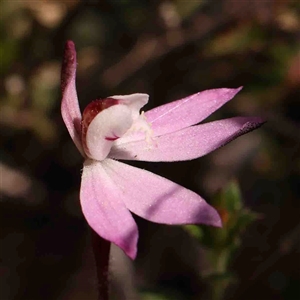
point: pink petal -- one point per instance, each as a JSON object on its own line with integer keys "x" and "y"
{"x": 188, "y": 111}
{"x": 188, "y": 143}
{"x": 157, "y": 199}
{"x": 104, "y": 210}
{"x": 69, "y": 106}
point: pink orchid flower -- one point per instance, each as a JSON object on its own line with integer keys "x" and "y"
{"x": 113, "y": 129}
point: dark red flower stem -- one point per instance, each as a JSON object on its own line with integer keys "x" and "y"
{"x": 101, "y": 248}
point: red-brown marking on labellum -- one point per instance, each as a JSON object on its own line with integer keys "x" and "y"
{"x": 112, "y": 138}
{"x": 90, "y": 112}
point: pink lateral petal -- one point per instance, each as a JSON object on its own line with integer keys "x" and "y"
{"x": 158, "y": 199}
{"x": 104, "y": 210}
{"x": 69, "y": 106}
{"x": 188, "y": 111}
{"x": 188, "y": 143}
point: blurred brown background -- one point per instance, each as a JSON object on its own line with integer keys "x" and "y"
{"x": 168, "y": 49}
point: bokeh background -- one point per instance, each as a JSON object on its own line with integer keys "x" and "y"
{"x": 168, "y": 49}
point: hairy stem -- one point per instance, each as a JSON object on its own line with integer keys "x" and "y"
{"x": 101, "y": 248}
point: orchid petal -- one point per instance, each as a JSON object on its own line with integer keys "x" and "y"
{"x": 188, "y": 143}
{"x": 104, "y": 210}
{"x": 188, "y": 111}
{"x": 158, "y": 199}
{"x": 105, "y": 128}
{"x": 69, "y": 106}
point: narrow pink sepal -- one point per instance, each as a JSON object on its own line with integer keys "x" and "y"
{"x": 188, "y": 111}
{"x": 158, "y": 199}
{"x": 188, "y": 143}
{"x": 104, "y": 210}
{"x": 69, "y": 106}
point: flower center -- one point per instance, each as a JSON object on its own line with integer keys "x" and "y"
{"x": 141, "y": 125}
{"x": 105, "y": 121}
{"x": 90, "y": 112}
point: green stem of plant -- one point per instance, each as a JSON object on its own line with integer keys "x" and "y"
{"x": 101, "y": 248}
{"x": 220, "y": 263}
